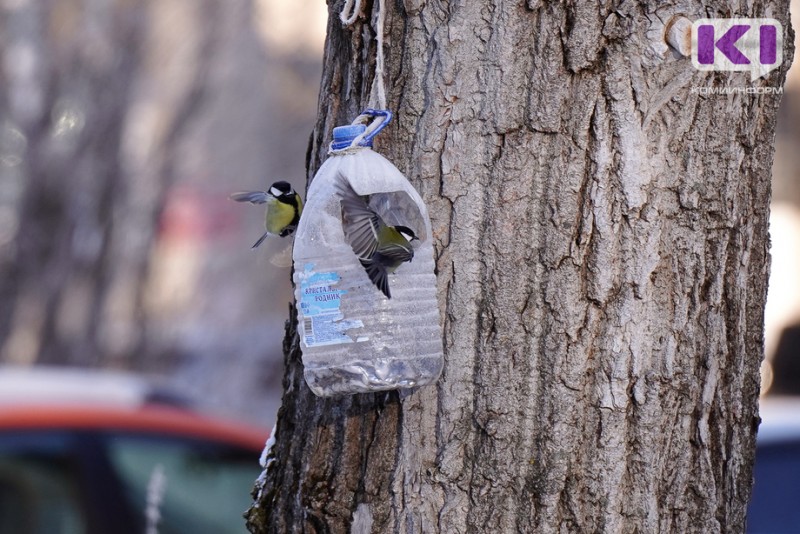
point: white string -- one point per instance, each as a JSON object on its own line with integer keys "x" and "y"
{"x": 377, "y": 97}
{"x": 377, "y": 81}
{"x": 348, "y": 15}
{"x": 351, "y": 7}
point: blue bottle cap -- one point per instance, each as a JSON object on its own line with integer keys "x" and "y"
{"x": 344, "y": 135}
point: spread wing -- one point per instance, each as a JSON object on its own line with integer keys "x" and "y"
{"x": 360, "y": 224}
{"x": 254, "y": 197}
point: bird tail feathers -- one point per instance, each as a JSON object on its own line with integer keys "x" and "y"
{"x": 260, "y": 239}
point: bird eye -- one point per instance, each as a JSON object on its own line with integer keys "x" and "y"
{"x": 408, "y": 234}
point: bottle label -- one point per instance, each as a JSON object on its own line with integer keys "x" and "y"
{"x": 323, "y": 321}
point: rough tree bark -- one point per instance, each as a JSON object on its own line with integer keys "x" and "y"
{"x": 602, "y": 255}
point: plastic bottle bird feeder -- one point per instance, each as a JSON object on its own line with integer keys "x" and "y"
{"x": 353, "y": 337}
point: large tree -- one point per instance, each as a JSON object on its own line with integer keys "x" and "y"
{"x": 601, "y": 244}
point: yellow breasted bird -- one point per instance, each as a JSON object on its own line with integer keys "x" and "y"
{"x": 380, "y": 248}
{"x": 284, "y": 207}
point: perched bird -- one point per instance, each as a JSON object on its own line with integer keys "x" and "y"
{"x": 380, "y": 248}
{"x": 284, "y": 207}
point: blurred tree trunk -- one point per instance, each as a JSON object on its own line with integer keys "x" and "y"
{"x": 602, "y": 252}
{"x": 68, "y": 79}
{"x": 93, "y": 154}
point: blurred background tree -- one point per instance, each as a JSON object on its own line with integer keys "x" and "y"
{"x": 123, "y": 128}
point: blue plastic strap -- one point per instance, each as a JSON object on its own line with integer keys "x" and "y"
{"x": 387, "y": 117}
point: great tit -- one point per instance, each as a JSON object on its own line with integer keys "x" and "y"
{"x": 284, "y": 207}
{"x": 380, "y": 248}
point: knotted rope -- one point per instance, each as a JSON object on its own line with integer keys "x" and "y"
{"x": 353, "y": 8}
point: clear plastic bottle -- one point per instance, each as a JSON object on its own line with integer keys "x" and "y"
{"x": 353, "y": 338}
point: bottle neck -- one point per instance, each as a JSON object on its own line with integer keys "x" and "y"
{"x": 345, "y": 143}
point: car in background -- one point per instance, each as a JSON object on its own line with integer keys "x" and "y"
{"x": 97, "y": 453}
{"x": 775, "y": 502}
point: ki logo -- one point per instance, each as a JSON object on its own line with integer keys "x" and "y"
{"x": 754, "y": 45}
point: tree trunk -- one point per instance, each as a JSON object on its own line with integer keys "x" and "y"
{"x": 602, "y": 252}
